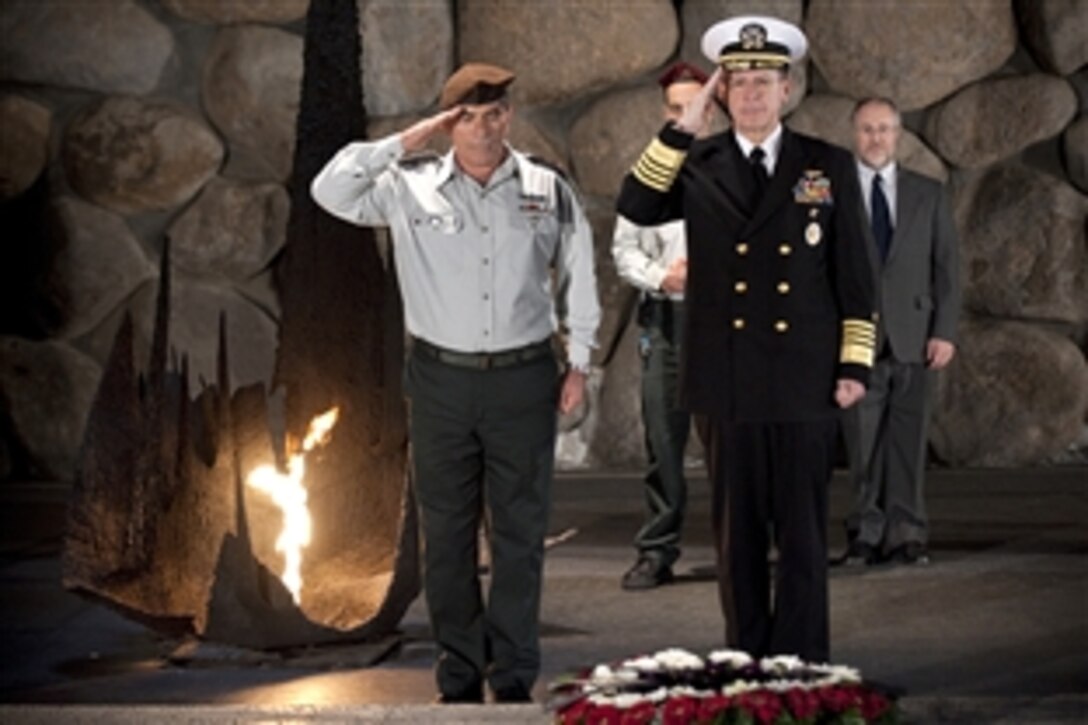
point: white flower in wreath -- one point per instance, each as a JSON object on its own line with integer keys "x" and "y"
{"x": 838, "y": 674}
{"x": 645, "y": 663}
{"x": 601, "y": 673}
{"x": 686, "y": 691}
{"x": 678, "y": 659}
{"x": 781, "y": 664}
{"x": 630, "y": 699}
{"x": 782, "y": 685}
{"x": 740, "y": 687}
{"x": 605, "y": 676}
{"x": 732, "y": 657}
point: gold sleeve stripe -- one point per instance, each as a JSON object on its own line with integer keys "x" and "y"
{"x": 858, "y": 342}
{"x": 653, "y": 175}
{"x": 648, "y": 178}
{"x": 857, "y": 354}
{"x": 658, "y": 166}
{"x": 665, "y": 155}
{"x": 861, "y": 338}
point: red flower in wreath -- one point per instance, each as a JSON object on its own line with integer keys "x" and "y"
{"x": 802, "y": 704}
{"x": 764, "y": 706}
{"x": 679, "y": 711}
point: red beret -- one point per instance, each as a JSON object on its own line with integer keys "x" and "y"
{"x": 681, "y": 71}
{"x": 475, "y": 83}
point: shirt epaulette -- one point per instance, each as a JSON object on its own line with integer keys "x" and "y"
{"x": 416, "y": 160}
{"x": 550, "y": 165}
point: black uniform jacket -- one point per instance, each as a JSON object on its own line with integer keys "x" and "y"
{"x": 780, "y": 296}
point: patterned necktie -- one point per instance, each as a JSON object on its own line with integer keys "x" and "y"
{"x": 759, "y": 170}
{"x": 881, "y": 218}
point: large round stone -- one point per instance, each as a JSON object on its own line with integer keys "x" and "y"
{"x": 1023, "y": 245}
{"x": 46, "y": 391}
{"x": 251, "y": 86}
{"x": 617, "y": 297}
{"x": 567, "y": 47}
{"x": 24, "y": 144}
{"x": 252, "y": 335}
{"x": 1015, "y": 395}
{"x": 827, "y": 117}
{"x": 195, "y": 307}
{"x": 98, "y": 342}
{"x": 1054, "y": 31}
{"x": 608, "y": 138}
{"x": 913, "y": 52}
{"x": 527, "y": 137}
{"x": 1075, "y": 151}
{"x": 617, "y": 434}
{"x": 217, "y": 12}
{"x": 232, "y": 230}
{"x": 994, "y": 119}
{"x": 132, "y": 156}
{"x": 98, "y": 262}
{"x": 110, "y": 47}
{"x": 397, "y": 77}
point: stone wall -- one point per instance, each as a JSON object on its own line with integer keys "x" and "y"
{"x": 127, "y": 123}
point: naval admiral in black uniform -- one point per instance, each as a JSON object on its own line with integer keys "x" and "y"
{"x": 780, "y": 326}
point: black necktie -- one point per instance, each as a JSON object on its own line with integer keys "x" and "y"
{"x": 881, "y": 218}
{"x": 759, "y": 170}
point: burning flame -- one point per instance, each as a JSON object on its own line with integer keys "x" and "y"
{"x": 288, "y": 492}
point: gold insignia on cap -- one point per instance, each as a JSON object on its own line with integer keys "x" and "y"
{"x": 753, "y": 36}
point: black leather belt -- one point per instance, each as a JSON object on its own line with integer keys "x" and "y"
{"x": 660, "y": 301}
{"x": 484, "y": 360}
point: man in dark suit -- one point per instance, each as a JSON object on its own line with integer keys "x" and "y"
{"x": 915, "y": 259}
{"x": 780, "y": 325}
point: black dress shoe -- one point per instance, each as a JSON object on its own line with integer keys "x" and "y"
{"x": 910, "y": 553}
{"x": 859, "y": 553}
{"x": 471, "y": 695}
{"x": 647, "y": 573}
{"x": 514, "y": 693}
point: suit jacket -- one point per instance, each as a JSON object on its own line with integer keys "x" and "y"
{"x": 780, "y": 294}
{"x": 919, "y": 281}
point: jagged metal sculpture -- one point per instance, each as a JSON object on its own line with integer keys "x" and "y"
{"x": 162, "y": 525}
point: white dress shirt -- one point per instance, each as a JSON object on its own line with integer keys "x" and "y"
{"x": 887, "y": 182}
{"x": 770, "y": 145}
{"x": 643, "y": 255}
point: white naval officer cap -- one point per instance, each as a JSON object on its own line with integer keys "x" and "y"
{"x": 751, "y": 42}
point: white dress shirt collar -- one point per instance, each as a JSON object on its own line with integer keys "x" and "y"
{"x": 770, "y": 145}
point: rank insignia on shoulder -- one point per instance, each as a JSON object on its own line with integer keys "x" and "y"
{"x": 813, "y": 188}
{"x": 532, "y": 202}
{"x": 416, "y": 160}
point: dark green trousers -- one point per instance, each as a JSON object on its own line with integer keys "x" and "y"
{"x": 483, "y": 438}
{"x": 666, "y": 427}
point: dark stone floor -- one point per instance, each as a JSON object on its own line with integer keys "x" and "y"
{"x": 995, "y": 629}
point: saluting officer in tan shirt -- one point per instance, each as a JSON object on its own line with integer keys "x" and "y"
{"x": 478, "y": 237}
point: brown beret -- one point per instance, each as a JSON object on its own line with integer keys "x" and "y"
{"x": 475, "y": 83}
{"x": 681, "y": 71}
